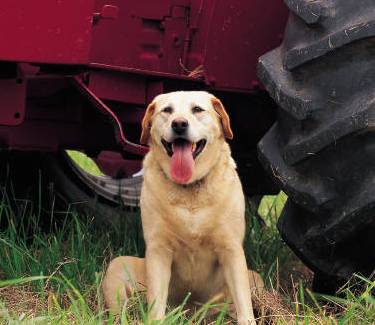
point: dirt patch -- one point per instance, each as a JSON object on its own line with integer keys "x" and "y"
{"x": 21, "y": 301}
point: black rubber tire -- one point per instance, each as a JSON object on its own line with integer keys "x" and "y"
{"x": 77, "y": 191}
{"x": 321, "y": 151}
{"x": 50, "y": 186}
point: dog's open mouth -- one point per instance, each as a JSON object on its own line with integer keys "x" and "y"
{"x": 195, "y": 147}
{"x": 183, "y": 154}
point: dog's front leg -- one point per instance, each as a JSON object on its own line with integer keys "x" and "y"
{"x": 158, "y": 272}
{"x": 235, "y": 271}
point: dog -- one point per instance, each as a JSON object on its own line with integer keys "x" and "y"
{"x": 192, "y": 209}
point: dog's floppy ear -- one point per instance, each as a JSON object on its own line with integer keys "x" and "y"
{"x": 146, "y": 123}
{"x": 225, "y": 121}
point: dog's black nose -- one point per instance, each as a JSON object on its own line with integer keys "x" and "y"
{"x": 179, "y": 125}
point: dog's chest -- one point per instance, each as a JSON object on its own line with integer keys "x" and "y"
{"x": 195, "y": 263}
{"x": 192, "y": 224}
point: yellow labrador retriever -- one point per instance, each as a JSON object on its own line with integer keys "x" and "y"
{"x": 192, "y": 208}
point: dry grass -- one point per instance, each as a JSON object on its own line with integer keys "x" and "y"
{"x": 22, "y": 300}
{"x": 24, "y": 303}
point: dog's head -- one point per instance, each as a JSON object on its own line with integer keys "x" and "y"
{"x": 185, "y": 130}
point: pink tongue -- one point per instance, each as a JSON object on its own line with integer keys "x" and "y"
{"x": 182, "y": 163}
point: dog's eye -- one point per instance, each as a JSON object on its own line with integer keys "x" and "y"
{"x": 197, "y": 109}
{"x": 167, "y": 109}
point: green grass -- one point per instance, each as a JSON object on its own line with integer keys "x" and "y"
{"x": 50, "y": 273}
{"x": 84, "y": 162}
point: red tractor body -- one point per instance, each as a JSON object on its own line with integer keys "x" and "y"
{"x": 63, "y": 60}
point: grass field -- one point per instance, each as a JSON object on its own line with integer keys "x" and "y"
{"x": 50, "y": 273}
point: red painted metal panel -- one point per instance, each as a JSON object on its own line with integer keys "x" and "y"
{"x": 147, "y": 35}
{"x": 46, "y": 31}
{"x": 113, "y": 164}
{"x": 224, "y": 38}
{"x": 165, "y": 36}
{"x": 119, "y": 87}
{"x": 229, "y": 36}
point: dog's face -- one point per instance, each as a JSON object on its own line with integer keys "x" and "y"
{"x": 185, "y": 129}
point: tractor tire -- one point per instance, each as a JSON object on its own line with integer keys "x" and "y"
{"x": 108, "y": 200}
{"x": 321, "y": 150}
{"x": 51, "y": 185}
